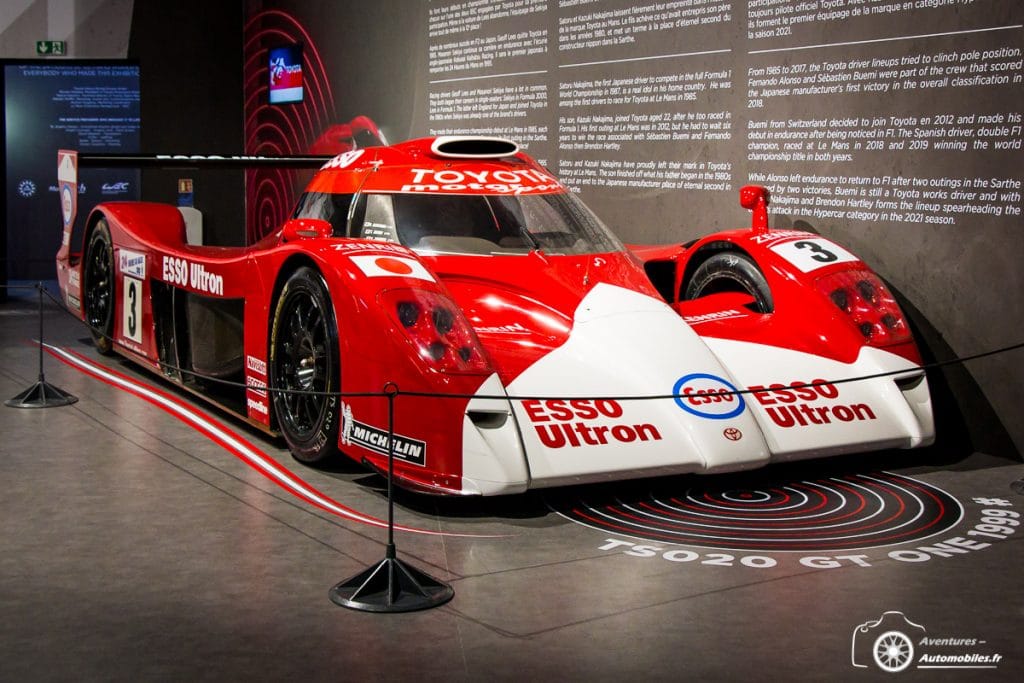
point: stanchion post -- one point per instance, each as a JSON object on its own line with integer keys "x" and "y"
{"x": 41, "y": 394}
{"x": 391, "y": 585}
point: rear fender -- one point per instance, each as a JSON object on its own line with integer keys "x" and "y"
{"x": 158, "y": 226}
{"x": 803, "y": 318}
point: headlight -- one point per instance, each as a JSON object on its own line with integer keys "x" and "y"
{"x": 437, "y": 329}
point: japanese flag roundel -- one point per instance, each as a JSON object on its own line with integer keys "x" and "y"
{"x": 387, "y": 265}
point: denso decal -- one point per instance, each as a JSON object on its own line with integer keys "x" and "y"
{"x": 377, "y": 265}
{"x": 799, "y": 404}
{"x": 501, "y": 181}
{"x": 561, "y": 423}
{"x": 375, "y": 439}
{"x": 132, "y": 263}
{"x": 178, "y": 271}
{"x": 256, "y": 377}
{"x": 708, "y": 396}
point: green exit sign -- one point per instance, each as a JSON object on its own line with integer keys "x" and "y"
{"x": 51, "y": 47}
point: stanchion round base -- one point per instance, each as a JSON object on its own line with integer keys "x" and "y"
{"x": 391, "y": 586}
{"x": 41, "y": 395}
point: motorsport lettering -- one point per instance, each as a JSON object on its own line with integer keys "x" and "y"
{"x": 502, "y": 181}
{"x": 790, "y": 406}
{"x": 367, "y": 436}
{"x": 178, "y": 271}
{"x": 997, "y": 523}
{"x": 564, "y": 432}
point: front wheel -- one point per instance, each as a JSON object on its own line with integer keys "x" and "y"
{"x": 98, "y": 285}
{"x": 730, "y": 271}
{"x": 304, "y": 367}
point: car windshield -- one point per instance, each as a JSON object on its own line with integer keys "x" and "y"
{"x": 482, "y": 224}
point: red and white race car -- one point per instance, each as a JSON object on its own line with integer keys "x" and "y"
{"x": 528, "y": 346}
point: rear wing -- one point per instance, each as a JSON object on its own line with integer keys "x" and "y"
{"x": 201, "y": 161}
{"x": 68, "y": 162}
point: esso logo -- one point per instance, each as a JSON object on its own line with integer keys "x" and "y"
{"x": 708, "y": 396}
{"x": 67, "y": 205}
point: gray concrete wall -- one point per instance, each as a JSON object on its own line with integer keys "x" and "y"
{"x": 93, "y": 29}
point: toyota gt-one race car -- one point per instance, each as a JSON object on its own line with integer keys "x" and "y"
{"x": 528, "y": 346}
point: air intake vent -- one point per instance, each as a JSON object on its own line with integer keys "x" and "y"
{"x": 473, "y": 147}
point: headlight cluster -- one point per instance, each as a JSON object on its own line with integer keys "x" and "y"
{"x": 862, "y": 296}
{"x": 440, "y": 334}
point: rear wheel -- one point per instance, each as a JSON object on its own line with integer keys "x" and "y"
{"x": 730, "y": 271}
{"x": 304, "y": 367}
{"x": 98, "y": 286}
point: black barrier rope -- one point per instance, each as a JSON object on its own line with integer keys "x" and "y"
{"x": 392, "y": 585}
{"x": 959, "y": 360}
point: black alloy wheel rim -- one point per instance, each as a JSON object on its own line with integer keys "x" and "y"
{"x": 303, "y": 364}
{"x": 98, "y": 296}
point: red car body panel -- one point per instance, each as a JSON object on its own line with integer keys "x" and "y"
{"x": 533, "y": 320}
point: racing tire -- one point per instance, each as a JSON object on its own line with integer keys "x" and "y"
{"x": 304, "y": 358}
{"x": 731, "y": 271}
{"x": 98, "y": 285}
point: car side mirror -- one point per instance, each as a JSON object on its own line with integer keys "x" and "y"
{"x": 305, "y": 228}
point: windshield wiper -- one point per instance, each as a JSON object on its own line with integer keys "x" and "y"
{"x": 529, "y": 238}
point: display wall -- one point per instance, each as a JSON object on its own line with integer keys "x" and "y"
{"x": 892, "y": 127}
{"x": 192, "y": 104}
{"x": 87, "y": 106}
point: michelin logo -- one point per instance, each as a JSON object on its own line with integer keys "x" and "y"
{"x": 358, "y": 433}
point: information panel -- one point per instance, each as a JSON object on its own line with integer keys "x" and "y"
{"x": 81, "y": 106}
{"x": 851, "y": 111}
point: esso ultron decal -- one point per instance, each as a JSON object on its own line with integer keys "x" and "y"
{"x": 708, "y": 396}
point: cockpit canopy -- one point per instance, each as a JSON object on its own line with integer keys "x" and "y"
{"x": 479, "y": 224}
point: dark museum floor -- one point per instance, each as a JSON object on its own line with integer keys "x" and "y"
{"x": 133, "y": 547}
